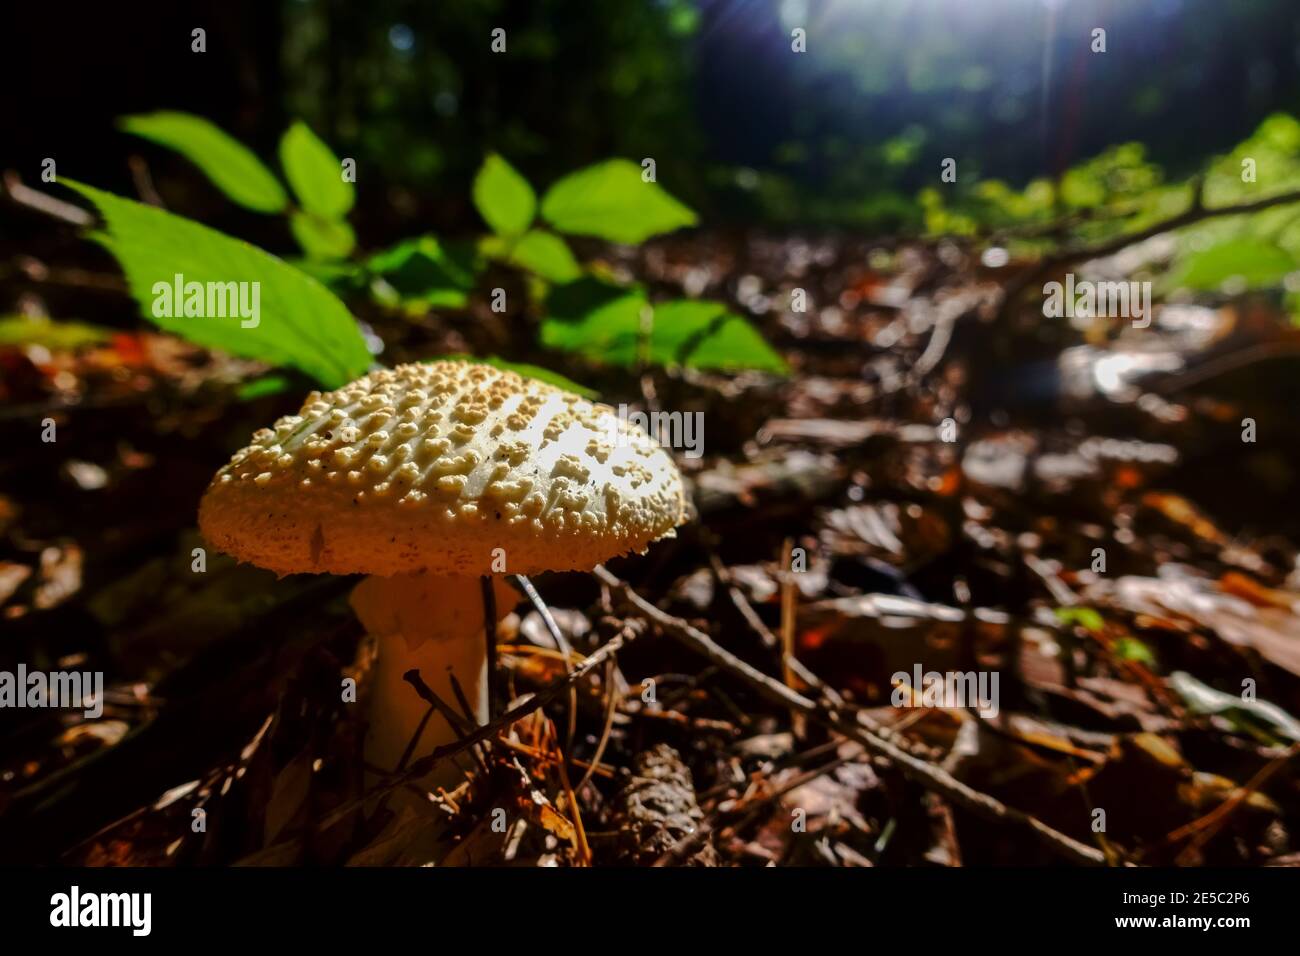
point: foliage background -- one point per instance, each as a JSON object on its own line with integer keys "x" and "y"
{"x": 741, "y": 130}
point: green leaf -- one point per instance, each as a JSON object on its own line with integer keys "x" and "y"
{"x": 424, "y": 259}
{"x": 610, "y": 325}
{"x": 323, "y": 239}
{"x": 503, "y": 197}
{"x": 705, "y": 335}
{"x": 230, "y": 165}
{"x": 1085, "y": 617}
{"x": 610, "y": 200}
{"x": 262, "y": 387}
{"x": 337, "y": 276}
{"x": 1256, "y": 262}
{"x": 416, "y": 305}
{"x": 526, "y": 370}
{"x": 601, "y": 321}
{"x": 1131, "y": 649}
{"x": 39, "y": 330}
{"x": 299, "y": 323}
{"x": 315, "y": 173}
{"x": 1249, "y": 714}
{"x": 424, "y": 273}
{"x": 542, "y": 253}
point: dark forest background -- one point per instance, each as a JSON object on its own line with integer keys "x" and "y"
{"x": 742, "y": 129}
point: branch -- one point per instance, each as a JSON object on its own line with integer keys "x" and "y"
{"x": 915, "y": 769}
{"x": 1082, "y": 252}
{"x": 32, "y": 199}
{"x": 391, "y": 781}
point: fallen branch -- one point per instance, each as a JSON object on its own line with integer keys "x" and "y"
{"x": 544, "y": 696}
{"x": 1203, "y": 829}
{"x": 41, "y": 202}
{"x": 1196, "y": 212}
{"x": 563, "y": 644}
{"x": 914, "y": 768}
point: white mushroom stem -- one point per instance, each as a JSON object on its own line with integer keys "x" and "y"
{"x": 436, "y": 626}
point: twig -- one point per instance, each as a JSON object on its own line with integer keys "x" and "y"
{"x": 563, "y": 644}
{"x": 391, "y": 781}
{"x": 1195, "y": 212}
{"x": 490, "y": 628}
{"x": 542, "y": 756}
{"x": 1204, "y": 828}
{"x": 1065, "y": 597}
{"x": 547, "y": 617}
{"x": 1223, "y": 364}
{"x": 32, "y": 199}
{"x": 34, "y": 270}
{"x": 796, "y": 666}
{"x": 458, "y": 724}
{"x": 800, "y": 670}
{"x": 466, "y": 708}
{"x": 748, "y": 812}
{"x": 723, "y": 574}
{"x": 786, "y": 578}
{"x": 579, "y": 831}
{"x": 144, "y": 182}
{"x": 915, "y": 769}
{"x": 611, "y": 708}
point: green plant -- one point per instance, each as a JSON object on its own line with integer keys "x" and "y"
{"x": 317, "y": 177}
{"x": 601, "y": 321}
{"x": 1235, "y": 223}
{"x": 43, "y": 331}
{"x": 310, "y": 329}
{"x": 301, "y": 324}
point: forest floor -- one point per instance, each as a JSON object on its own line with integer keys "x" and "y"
{"x": 1099, "y": 517}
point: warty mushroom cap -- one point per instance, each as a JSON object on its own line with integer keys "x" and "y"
{"x": 431, "y": 467}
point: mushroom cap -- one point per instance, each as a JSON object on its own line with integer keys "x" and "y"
{"x": 434, "y": 467}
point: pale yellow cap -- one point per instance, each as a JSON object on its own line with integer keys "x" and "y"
{"x": 434, "y": 467}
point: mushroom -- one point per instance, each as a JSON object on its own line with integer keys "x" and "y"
{"x": 426, "y": 477}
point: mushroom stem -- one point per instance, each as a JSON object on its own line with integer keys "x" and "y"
{"x": 434, "y": 625}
